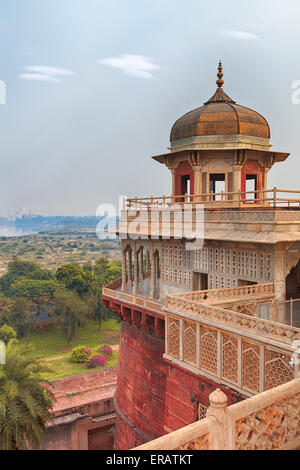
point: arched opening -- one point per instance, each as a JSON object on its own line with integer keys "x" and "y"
{"x": 293, "y": 283}
{"x": 252, "y": 181}
{"x": 184, "y": 180}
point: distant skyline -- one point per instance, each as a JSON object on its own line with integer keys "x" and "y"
{"x": 94, "y": 87}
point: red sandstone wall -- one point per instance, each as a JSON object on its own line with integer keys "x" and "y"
{"x": 81, "y": 383}
{"x": 101, "y": 439}
{"x": 79, "y": 399}
{"x": 140, "y": 397}
{"x": 184, "y": 169}
{"x": 183, "y": 393}
{"x": 153, "y": 397}
{"x": 252, "y": 167}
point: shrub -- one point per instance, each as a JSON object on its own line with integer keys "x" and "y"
{"x": 96, "y": 361}
{"x": 106, "y": 351}
{"x": 7, "y": 333}
{"x": 81, "y": 354}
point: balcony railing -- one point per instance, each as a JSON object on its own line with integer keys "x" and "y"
{"x": 267, "y": 421}
{"x": 269, "y": 198}
{"x": 218, "y": 295}
{"x": 233, "y": 321}
{"x": 113, "y": 291}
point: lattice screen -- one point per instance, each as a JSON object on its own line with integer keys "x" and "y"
{"x": 202, "y": 410}
{"x": 174, "y": 337}
{"x": 208, "y": 350}
{"x": 190, "y": 342}
{"x": 277, "y": 369}
{"x": 250, "y": 366}
{"x": 230, "y": 359}
{"x": 224, "y": 266}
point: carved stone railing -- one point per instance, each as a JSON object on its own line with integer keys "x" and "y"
{"x": 267, "y": 421}
{"x": 216, "y": 295}
{"x": 272, "y": 198}
{"x": 132, "y": 299}
{"x": 247, "y": 354}
{"x": 232, "y": 321}
{"x": 197, "y": 436}
{"x": 115, "y": 285}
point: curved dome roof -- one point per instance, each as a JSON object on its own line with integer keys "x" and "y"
{"x": 220, "y": 115}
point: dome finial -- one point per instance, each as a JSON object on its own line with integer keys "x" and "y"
{"x": 220, "y": 75}
{"x": 220, "y": 96}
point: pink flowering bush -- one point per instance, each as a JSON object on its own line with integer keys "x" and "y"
{"x": 106, "y": 351}
{"x": 96, "y": 361}
{"x": 81, "y": 354}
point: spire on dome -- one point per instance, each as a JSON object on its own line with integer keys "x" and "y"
{"x": 220, "y": 96}
{"x": 220, "y": 75}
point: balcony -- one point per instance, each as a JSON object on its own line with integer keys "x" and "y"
{"x": 268, "y": 216}
{"x": 267, "y": 198}
{"x": 222, "y": 334}
{"x": 114, "y": 294}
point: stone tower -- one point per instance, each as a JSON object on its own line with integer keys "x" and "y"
{"x": 197, "y": 318}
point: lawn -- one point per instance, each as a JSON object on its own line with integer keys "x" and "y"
{"x": 51, "y": 347}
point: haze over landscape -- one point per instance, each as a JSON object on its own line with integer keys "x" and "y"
{"x": 93, "y": 88}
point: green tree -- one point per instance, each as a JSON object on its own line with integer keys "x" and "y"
{"x": 7, "y": 333}
{"x": 96, "y": 310}
{"x": 24, "y": 404}
{"x": 19, "y": 269}
{"x": 75, "y": 278}
{"x": 106, "y": 272}
{"x": 71, "y": 311}
{"x": 16, "y": 316}
{"x": 34, "y": 289}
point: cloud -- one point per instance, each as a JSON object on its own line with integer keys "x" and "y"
{"x": 135, "y": 65}
{"x": 38, "y": 77}
{"x": 244, "y": 35}
{"x": 44, "y": 74}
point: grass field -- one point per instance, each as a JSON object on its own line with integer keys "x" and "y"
{"x": 52, "y": 349}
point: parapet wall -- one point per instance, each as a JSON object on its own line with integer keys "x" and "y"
{"x": 83, "y": 414}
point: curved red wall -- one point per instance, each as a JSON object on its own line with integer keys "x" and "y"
{"x": 141, "y": 389}
{"x": 154, "y": 397}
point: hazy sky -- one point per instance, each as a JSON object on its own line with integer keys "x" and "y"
{"x": 94, "y": 86}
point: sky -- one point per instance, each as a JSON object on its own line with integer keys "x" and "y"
{"x": 93, "y": 88}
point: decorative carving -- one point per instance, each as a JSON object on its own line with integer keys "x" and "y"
{"x": 277, "y": 369}
{"x": 230, "y": 359}
{"x": 174, "y": 335}
{"x": 271, "y": 428}
{"x": 202, "y": 443}
{"x": 189, "y": 342}
{"x": 208, "y": 350}
{"x": 250, "y": 366}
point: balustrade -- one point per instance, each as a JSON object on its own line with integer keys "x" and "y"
{"x": 267, "y": 421}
